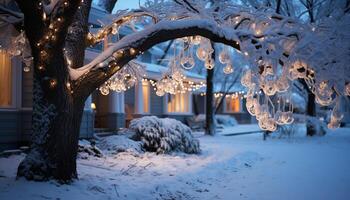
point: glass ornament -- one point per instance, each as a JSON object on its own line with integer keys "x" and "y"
{"x": 262, "y": 124}
{"x": 187, "y": 62}
{"x": 224, "y": 57}
{"x": 289, "y": 117}
{"x": 337, "y": 114}
{"x": 269, "y": 88}
{"x": 26, "y": 68}
{"x": 292, "y": 74}
{"x": 201, "y": 53}
{"x": 262, "y": 115}
{"x": 333, "y": 125}
{"x": 278, "y": 117}
{"x": 209, "y": 63}
{"x": 246, "y": 78}
{"x": 104, "y": 90}
{"x": 297, "y": 70}
{"x": 196, "y": 40}
{"x": 271, "y": 124}
{"x": 323, "y": 94}
{"x": 178, "y": 76}
{"x": 228, "y": 69}
{"x": 282, "y": 85}
{"x": 160, "y": 93}
{"x": 347, "y": 89}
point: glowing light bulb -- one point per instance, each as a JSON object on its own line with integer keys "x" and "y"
{"x": 201, "y": 54}
{"x": 228, "y": 69}
{"x": 224, "y": 57}
{"x": 209, "y": 64}
{"x": 26, "y": 69}
{"x": 196, "y": 40}
{"x": 104, "y": 90}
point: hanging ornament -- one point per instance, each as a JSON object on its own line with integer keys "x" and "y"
{"x": 196, "y": 40}
{"x": 201, "y": 53}
{"x": 337, "y": 114}
{"x": 28, "y": 61}
{"x": 228, "y": 69}
{"x": 104, "y": 90}
{"x": 347, "y": 89}
{"x": 224, "y": 57}
{"x": 187, "y": 62}
{"x": 209, "y": 64}
{"x": 282, "y": 84}
{"x": 115, "y": 29}
{"x": 26, "y": 69}
{"x": 160, "y": 93}
{"x": 323, "y": 93}
{"x": 333, "y": 125}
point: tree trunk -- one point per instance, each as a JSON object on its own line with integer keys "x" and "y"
{"x": 57, "y": 109}
{"x": 55, "y": 124}
{"x": 195, "y": 104}
{"x": 311, "y": 111}
{"x": 209, "y": 114}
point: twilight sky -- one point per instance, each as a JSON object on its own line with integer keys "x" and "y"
{"x": 125, "y": 4}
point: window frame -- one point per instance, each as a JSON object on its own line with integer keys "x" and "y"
{"x": 16, "y": 87}
{"x": 149, "y": 97}
{"x": 190, "y": 111}
{"x": 240, "y": 110}
{"x": 138, "y": 96}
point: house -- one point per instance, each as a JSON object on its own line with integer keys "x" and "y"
{"x": 228, "y": 100}
{"x": 110, "y": 112}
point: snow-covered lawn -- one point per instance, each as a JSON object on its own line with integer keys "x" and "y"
{"x": 236, "y": 167}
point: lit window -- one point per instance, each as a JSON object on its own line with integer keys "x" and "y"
{"x": 178, "y": 103}
{"x": 146, "y": 96}
{"x": 5, "y": 80}
{"x": 232, "y": 104}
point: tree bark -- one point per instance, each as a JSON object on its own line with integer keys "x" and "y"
{"x": 55, "y": 130}
{"x": 57, "y": 113}
{"x": 209, "y": 114}
{"x": 311, "y": 111}
{"x": 311, "y": 108}
{"x": 58, "y": 101}
{"x": 278, "y": 7}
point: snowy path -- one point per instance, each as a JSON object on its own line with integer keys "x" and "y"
{"x": 239, "y": 167}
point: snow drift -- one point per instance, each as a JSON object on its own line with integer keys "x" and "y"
{"x": 164, "y": 135}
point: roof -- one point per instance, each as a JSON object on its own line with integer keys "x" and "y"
{"x": 155, "y": 71}
{"x": 228, "y": 88}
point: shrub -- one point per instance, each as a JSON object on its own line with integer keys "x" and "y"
{"x": 164, "y": 135}
{"x": 226, "y": 120}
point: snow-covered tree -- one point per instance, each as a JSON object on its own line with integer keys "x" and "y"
{"x": 279, "y": 48}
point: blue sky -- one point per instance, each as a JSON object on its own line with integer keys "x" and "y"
{"x": 125, "y": 4}
{"x": 128, "y": 4}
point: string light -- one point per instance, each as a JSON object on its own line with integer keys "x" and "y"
{"x": 53, "y": 83}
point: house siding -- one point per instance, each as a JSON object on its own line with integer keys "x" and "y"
{"x": 27, "y": 89}
{"x": 156, "y": 103}
{"x": 111, "y": 121}
{"x": 16, "y": 125}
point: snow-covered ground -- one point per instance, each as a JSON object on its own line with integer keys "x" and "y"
{"x": 236, "y": 167}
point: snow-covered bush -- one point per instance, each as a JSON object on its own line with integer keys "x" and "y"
{"x": 315, "y": 127}
{"x": 164, "y": 135}
{"x": 196, "y": 122}
{"x": 226, "y": 120}
{"x": 120, "y": 143}
{"x": 86, "y": 148}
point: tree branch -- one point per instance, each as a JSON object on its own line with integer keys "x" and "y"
{"x": 141, "y": 41}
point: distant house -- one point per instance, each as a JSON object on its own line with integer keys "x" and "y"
{"x": 229, "y": 100}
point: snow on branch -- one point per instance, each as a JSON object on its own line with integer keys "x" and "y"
{"x": 114, "y": 27}
{"x": 50, "y": 7}
{"x": 279, "y": 49}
